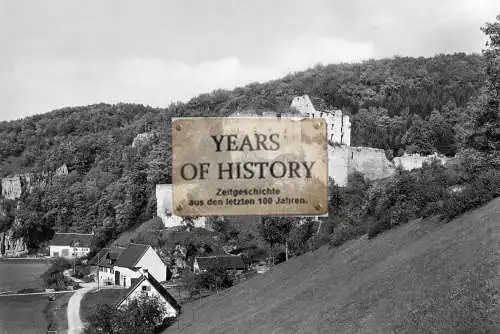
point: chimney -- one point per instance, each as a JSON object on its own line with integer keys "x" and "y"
{"x": 145, "y": 273}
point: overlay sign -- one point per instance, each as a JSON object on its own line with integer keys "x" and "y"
{"x": 249, "y": 166}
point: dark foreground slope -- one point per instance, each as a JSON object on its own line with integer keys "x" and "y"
{"x": 424, "y": 277}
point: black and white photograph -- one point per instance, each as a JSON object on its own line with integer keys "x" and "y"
{"x": 249, "y": 167}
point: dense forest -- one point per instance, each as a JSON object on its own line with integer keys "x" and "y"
{"x": 400, "y": 104}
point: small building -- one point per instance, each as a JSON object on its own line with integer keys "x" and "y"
{"x": 134, "y": 258}
{"x": 70, "y": 245}
{"x": 224, "y": 262}
{"x": 146, "y": 284}
{"x": 105, "y": 261}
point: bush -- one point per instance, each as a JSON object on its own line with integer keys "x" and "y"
{"x": 346, "y": 231}
{"x": 142, "y": 315}
{"x": 426, "y": 192}
{"x": 213, "y": 279}
{"x": 54, "y": 278}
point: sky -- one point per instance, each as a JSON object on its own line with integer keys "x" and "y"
{"x": 59, "y": 53}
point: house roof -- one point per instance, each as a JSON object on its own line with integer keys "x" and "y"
{"x": 158, "y": 287}
{"x": 72, "y": 239}
{"x": 131, "y": 255}
{"x": 225, "y": 262}
{"x": 107, "y": 256}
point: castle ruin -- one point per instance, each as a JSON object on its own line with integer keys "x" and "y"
{"x": 344, "y": 159}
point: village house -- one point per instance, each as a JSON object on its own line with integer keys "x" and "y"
{"x": 146, "y": 284}
{"x": 224, "y": 262}
{"x": 70, "y": 245}
{"x": 131, "y": 260}
{"x": 105, "y": 261}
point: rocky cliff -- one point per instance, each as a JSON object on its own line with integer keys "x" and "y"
{"x": 11, "y": 247}
{"x": 12, "y": 188}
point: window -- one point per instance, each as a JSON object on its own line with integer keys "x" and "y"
{"x": 146, "y": 288}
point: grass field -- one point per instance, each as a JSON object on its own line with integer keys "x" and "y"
{"x": 56, "y": 313}
{"x": 423, "y": 277}
{"x": 23, "y": 314}
{"x": 94, "y": 298}
{"x": 28, "y": 314}
{"x": 21, "y": 274}
{"x": 33, "y": 314}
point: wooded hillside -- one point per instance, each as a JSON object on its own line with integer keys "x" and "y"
{"x": 399, "y": 104}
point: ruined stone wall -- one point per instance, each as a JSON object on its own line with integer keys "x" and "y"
{"x": 346, "y": 130}
{"x": 338, "y": 124}
{"x": 338, "y": 156}
{"x": 344, "y": 160}
{"x": 303, "y": 104}
{"x": 414, "y": 161}
{"x": 372, "y": 162}
{"x": 335, "y": 127}
{"x": 165, "y": 211}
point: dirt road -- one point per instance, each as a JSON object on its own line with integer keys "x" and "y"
{"x": 75, "y": 324}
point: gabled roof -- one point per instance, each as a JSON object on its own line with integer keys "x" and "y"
{"x": 131, "y": 255}
{"x": 225, "y": 262}
{"x": 72, "y": 239}
{"x": 107, "y": 256}
{"x": 158, "y": 287}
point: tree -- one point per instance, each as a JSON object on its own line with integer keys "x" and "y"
{"x": 486, "y": 121}
{"x": 275, "y": 230}
{"x": 222, "y": 226}
{"x": 142, "y": 315}
{"x": 103, "y": 320}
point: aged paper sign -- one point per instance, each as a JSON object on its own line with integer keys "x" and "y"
{"x": 249, "y": 166}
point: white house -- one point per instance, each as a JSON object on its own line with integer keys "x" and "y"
{"x": 70, "y": 245}
{"x": 146, "y": 284}
{"x": 135, "y": 257}
{"x": 105, "y": 261}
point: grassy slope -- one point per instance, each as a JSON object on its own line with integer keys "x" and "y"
{"x": 424, "y": 277}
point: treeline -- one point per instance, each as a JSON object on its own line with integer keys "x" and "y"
{"x": 400, "y": 104}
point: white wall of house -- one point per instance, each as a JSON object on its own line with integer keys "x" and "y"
{"x": 153, "y": 263}
{"x": 106, "y": 275}
{"x": 126, "y": 275}
{"x": 67, "y": 251}
{"x": 146, "y": 288}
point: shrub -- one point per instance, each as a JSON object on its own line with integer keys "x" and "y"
{"x": 54, "y": 277}
{"x": 426, "y": 192}
{"x": 142, "y": 315}
{"x": 346, "y": 231}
